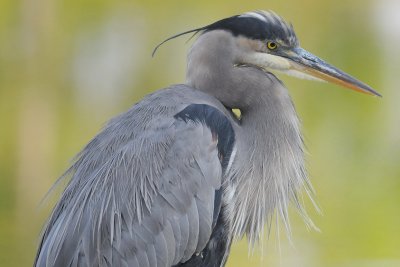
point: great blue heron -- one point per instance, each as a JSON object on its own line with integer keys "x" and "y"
{"x": 176, "y": 178}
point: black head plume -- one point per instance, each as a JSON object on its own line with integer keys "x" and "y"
{"x": 195, "y": 31}
{"x": 258, "y": 25}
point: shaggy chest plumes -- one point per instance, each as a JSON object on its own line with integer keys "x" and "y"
{"x": 269, "y": 168}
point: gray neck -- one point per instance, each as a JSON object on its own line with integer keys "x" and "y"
{"x": 211, "y": 68}
{"x": 269, "y": 166}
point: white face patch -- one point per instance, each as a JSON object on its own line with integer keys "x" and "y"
{"x": 267, "y": 61}
{"x": 274, "y": 63}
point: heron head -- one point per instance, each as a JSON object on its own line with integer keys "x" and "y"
{"x": 268, "y": 42}
{"x": 272, "y": 45}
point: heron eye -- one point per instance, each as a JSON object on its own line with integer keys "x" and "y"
{"x": 272, "y": 45}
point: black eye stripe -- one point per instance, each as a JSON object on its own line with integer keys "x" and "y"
{"x": 270, "y": 28}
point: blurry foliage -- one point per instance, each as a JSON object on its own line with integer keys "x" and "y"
{"x": 66, "y": 67}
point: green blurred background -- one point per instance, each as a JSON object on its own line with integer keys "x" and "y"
{"x": 67, "y": 66}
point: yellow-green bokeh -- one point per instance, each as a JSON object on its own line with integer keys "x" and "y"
{"x": 67, "y": 66}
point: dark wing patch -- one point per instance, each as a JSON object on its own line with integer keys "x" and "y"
{"x": 217, "y": 205}
{"x": 217, "y": 122}
{"x": 221, "y": 128}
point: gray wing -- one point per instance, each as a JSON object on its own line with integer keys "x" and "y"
{"x": 141, "y": 194}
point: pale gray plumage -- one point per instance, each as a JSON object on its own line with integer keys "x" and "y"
{"x": 177, "y": 177}
{"x": 117, "y": 180}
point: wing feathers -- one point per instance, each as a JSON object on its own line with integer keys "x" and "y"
{"x": 148, "y": 197}
{"x": 193, "y": 217}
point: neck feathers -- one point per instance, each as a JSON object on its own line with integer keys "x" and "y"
{"x": 269, "y": 169}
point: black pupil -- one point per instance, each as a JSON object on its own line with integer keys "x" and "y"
{"x": 272, "y": 45}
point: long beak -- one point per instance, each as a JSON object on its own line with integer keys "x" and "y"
{"x": 307, "y": 63}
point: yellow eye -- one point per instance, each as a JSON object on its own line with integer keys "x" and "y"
{"x": 272, "y": 45}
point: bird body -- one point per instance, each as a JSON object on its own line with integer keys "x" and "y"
{"x": 175, "y": 179}
{"x": 148, "y": 154}
{"x": 162, "y": 214}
